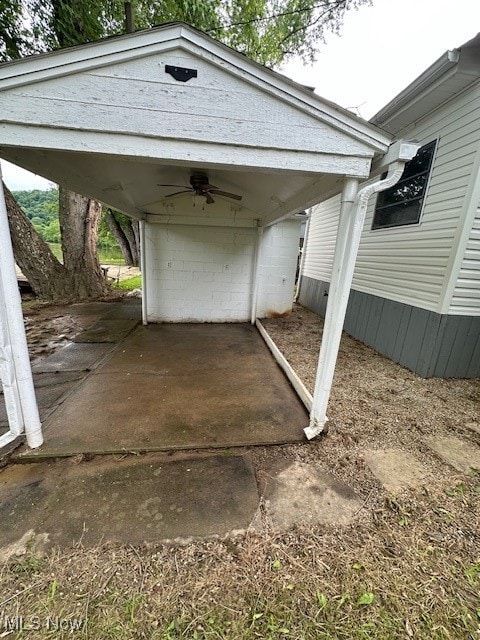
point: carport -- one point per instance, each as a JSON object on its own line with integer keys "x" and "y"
{"x": 126, "y": 119}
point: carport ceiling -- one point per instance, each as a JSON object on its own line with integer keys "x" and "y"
{"x": 107, "y": 120}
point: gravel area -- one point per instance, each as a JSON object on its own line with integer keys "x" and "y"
{"x": 375, "y": 404}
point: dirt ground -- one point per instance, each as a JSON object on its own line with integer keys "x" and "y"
{"x": 409, "y": 566}
{"x": 375, "y": 403}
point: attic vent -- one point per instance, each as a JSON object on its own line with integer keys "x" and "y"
{"x": 182, "y": 74}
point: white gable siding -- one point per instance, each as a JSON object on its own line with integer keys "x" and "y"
{"x": 408, "y": 264}
{"x": 138, "y": 97}
{"x": 466, "y": 296}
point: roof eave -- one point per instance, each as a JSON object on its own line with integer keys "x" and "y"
{"x": 463, "y": 60}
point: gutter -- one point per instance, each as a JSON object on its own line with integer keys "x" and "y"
{"x": 439, "y": 68}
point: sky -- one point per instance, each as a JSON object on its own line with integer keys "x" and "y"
{"x": 379, "y": 51}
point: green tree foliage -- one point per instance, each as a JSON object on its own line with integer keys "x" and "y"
{"x": 41, "y": 208}
{"x": 269, "y": 31}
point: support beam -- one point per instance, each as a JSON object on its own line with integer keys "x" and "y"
{"x": 256, "y": 275}
{"x": 23, "y": 410}
{"x": 352, "y": 217}
{"x": 143, "y": 269}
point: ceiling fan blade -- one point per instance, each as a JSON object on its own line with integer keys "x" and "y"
{"x": 209, "y": 198}
{"x": 225, "y": 194}
{"x": 177, "y": 193}
{"x": 184, "y": 186}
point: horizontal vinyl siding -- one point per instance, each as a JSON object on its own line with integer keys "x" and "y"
{"x": 322, "y": 232}
{"x": 408, "y": 264}
{"x": 466, "y": 296}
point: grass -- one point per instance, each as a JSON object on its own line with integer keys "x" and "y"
{"x": 378, "y": 579}
{"x": 129, "y": 284}
{"x": 106, "y": 255}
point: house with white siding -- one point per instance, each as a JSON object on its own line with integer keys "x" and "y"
{"x": 415, "y": 294}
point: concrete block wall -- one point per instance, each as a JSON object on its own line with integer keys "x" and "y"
{"x": 278, "y": 262}
{"x": 199, "y": 273}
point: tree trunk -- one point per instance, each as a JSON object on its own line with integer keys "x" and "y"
{"x": 80, "y": 277}
{"x": 117, "y": 232}
{"x": 127, "y": 234}
{"x": 129, "y": 230}
{"x": 79, "y": 217}
{"x": 136, "y": 233}
{"x": 46, "y": 275}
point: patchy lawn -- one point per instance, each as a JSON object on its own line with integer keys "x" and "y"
{"x": 129, "y": 284}
{"x": 408, "y": 568}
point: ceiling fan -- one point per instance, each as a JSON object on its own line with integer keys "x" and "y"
{"x": 200, "y": 186}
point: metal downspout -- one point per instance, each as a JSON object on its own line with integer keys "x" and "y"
{"x": 348, "y": 241}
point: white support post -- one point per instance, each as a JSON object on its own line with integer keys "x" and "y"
{"x": 352, "y": 217}
{"x": 143, "y": 263}
{"x": 23, "y": 410}
{"x": 256, "y": 275}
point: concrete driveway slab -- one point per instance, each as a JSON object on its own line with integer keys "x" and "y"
{"x": 133, "y": 500}
{"x": 73, "y": 357}
{"x": 111, "y": 328}
{"x": 170, "y": 387}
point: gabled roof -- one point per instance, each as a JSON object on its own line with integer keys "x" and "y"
{"x": 454, "y": 71}
{"x": 139, "y": 44}
{"x": 108, "y": 120}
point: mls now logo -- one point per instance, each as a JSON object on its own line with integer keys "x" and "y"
{"x": 64, "y": 624}
{"x": 12, "y": 623}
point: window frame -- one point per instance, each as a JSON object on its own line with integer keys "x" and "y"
{"x": 421, "y": 199}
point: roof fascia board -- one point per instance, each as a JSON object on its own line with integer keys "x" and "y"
{"x": 461, "y": 64}
{"x": 142, "y": 44}
{"x": 189, "y": 152}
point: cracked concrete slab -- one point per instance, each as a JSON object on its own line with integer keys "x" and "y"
{"x": 178, "y": 387}
{"x": 395, "y": 469}
{"x": 299, "y": 493}
{"x": 49, "y": 391}
{"x": 134, "y": 500}
{"x": 458, "y": 453}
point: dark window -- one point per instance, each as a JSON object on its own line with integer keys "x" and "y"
{"x": 402, "y": 203}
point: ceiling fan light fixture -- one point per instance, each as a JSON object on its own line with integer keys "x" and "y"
{"x": 200, "y": 186}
